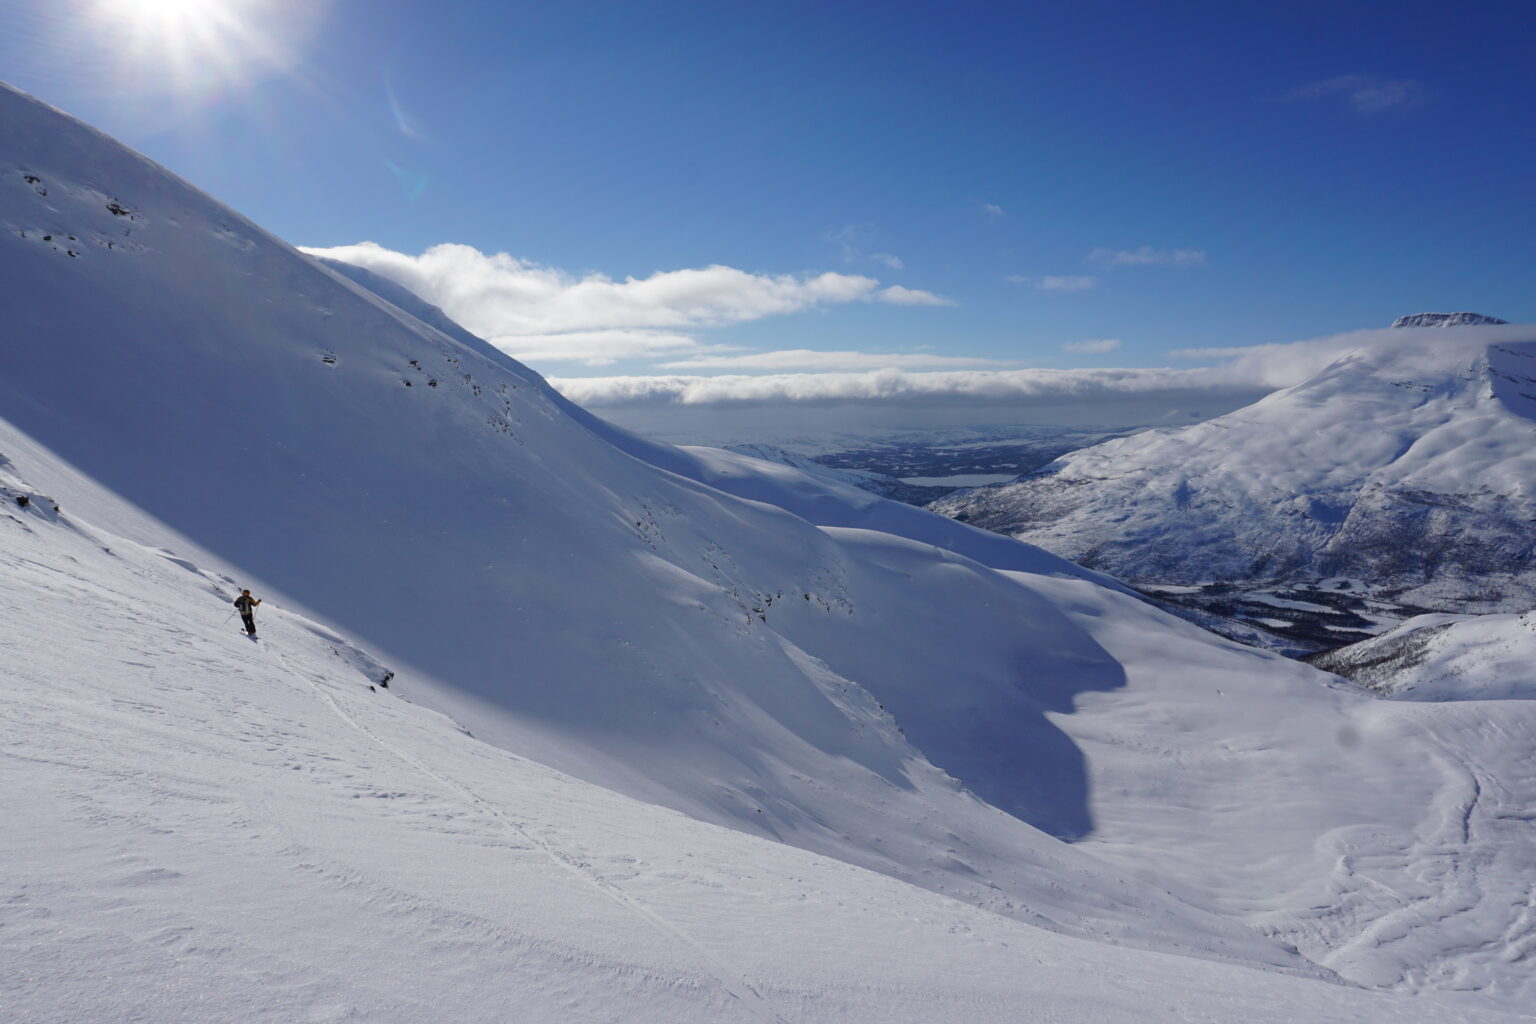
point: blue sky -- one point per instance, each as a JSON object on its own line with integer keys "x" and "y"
{"x": 930, "y": 186}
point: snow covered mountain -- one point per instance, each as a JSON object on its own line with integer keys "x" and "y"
{"x": 1406, "y": 464}
{"x": 1445, "y": 657}
{"x": 896, "y": 718}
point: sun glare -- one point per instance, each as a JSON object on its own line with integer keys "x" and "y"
{"x": 168, "y": 10}
{"x": 143, "y": 18}
{"x": 197, "y": 46}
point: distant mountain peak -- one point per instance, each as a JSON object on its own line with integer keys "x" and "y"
{"x": 1445, "y": 320}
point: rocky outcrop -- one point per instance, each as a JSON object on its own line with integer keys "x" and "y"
{"x": 1446, "y": 320}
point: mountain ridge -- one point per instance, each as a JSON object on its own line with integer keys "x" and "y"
{"x": 1405, "y": 462}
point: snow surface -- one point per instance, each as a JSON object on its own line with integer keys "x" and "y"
{"x": 890, "y": 713}
{"x": 1408, "y": 462}
{"x": 1446, "y": 657}
{"x": 865, "y": 481}
{"x": 204, "y": 828}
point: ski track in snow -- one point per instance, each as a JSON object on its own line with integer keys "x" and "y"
{"x": 1441, "y": 880}
{"x": 1414, "y": 875}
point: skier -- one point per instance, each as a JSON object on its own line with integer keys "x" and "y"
{"x": 247, "y": 605}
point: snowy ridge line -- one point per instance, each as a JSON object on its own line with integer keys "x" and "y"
{"x": 1405, "y": 463}
{"x": 731, "y": 981}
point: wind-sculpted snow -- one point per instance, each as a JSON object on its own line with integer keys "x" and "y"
{"x": 249, "y": 832}
{"x": 1408, "y": 463}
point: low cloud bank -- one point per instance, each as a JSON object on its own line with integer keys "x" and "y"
{"x": 1250, "y": 370}
{"x": 811, "y": 359}
{"x": 886, "y": 386}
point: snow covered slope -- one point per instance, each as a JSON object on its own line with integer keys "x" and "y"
{"x": 1445, "y": 657}
{"x": 1390, "y": 841}
{"x": 782, "y": 655}
{"x": 875, "y": 483}
{"x": 1407, "y": 463}
{"x": 199, "y": 828}
{"x": 852, "y": 695}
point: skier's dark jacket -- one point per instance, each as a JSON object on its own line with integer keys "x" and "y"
{"x": 246, "y": 603}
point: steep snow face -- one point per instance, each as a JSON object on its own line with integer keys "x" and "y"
{"x": 569, "y": 592}
{"x": 1446, "y": 320}
{"x": 1445, "y": 657}
{"x": 1408, "y": 462}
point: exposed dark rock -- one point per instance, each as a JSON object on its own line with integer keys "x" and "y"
{"x": 1445, "y": 320}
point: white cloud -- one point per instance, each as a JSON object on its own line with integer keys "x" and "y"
{"x": 855, "y": 239}
{"x": 1146, "y": 256}
{"x": 851, "y": 240}
{"x": 538, "y": 312}
{"x": 1066, "y": 282}
{"x": 807, "y": 359}
{"x": 993, "y": 210}
{"x": 1282, "y": 364}
{"x": 1095, "y": 347}
{"x": 1365, "y": 94}
{"x": 602, "y": 348}
{"x": 896, "y": 386}
{"x": 1056, "y": 282}
{"x": 1239, "y": 376}
{"x": 897, "y": 295}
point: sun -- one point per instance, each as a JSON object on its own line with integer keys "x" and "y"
{"x": 149, "y": 17}
{"x": 169, "y": 10}
{"x": 203, "y": 46}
